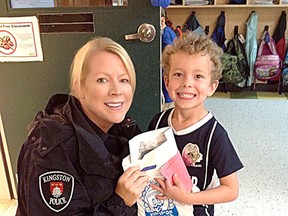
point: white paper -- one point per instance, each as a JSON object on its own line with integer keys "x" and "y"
{"x": 32, "y": 3}
{"x": 151, "y": 149}
{"x": 20, "y": 39}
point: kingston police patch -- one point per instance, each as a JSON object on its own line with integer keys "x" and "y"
{"x": 56, "y": 189}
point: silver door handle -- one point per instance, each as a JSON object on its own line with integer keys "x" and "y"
{"x": 146, "y": 33}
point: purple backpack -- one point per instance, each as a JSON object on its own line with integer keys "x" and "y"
{"x": 268, "y": 62}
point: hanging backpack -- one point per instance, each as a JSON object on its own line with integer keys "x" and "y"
{"x": 285, "y": 69}
{"x": 237, "y": 2}
{"x": 218, "y": 35}
{"x": 230, "y": 72}
{"x": 268, "y": 62}
{"x": 236, "y": 68}
{"x": 284, "y": 76}
{"x": 192, "y": 24}
{"x": 178, "y": 31}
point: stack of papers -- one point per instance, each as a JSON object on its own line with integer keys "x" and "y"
{"x": 156, "y": 152}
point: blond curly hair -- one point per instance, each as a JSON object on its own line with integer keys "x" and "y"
{"x": 193, "y": 43}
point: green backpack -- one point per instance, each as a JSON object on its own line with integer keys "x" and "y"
{"x": 231, "y": 73}
{"x": 236, "y": 68}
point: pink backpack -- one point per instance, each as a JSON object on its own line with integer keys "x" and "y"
{"x": 268, "y": 62}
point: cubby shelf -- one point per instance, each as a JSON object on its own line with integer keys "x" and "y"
{"x": 229, "y": 6}
{"x": 268, "y": 15}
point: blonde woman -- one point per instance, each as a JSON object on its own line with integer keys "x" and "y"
{"x": 70, "y": 163}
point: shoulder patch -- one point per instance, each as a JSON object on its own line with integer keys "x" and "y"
{"x": 56, "y": 189}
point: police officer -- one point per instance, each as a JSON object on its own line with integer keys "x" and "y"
{"x": 70, "y": 163}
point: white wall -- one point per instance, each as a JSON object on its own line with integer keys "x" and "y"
{"x": 4, "y": 188}
{"x": 4, "y": 191}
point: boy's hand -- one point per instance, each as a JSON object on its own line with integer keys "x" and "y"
{"x": 160, "y": 188}
{"x": 176, "y": 192}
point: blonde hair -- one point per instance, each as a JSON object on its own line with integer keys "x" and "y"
{"x": 79, "y": 67}
{"x": 193, "y": 43}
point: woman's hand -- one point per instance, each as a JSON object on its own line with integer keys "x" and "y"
{"x": 130, "y": 185}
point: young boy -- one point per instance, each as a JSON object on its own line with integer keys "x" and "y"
{"x": 192, "y": 69}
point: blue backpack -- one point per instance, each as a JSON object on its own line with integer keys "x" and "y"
{"x": 284, "y": 75}
{"x": 218, "y": 35}
{"x": 237, "y": 2}
{"x": 285, "y": 69}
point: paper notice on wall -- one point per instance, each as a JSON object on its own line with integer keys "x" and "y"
{"x": 20, "y": 39}
{"x": 31, "y": 3}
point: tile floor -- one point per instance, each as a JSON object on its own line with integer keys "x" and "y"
{"x": 258, "y": 129}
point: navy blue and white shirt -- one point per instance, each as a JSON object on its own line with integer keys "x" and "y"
{"x": 206, "y": 150}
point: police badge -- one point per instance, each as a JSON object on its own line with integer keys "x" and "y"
{"x": 56, "y": 189}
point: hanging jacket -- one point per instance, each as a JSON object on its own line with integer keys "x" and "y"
{"x": 279, "y": 35}
{"x": 168, "y": 37}
{"x": 192, "y": 24}
{"x": 280, "y": 39}
{"x": 251, "y": 44}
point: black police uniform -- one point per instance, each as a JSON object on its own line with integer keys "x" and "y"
{"x": 69, "y": 166}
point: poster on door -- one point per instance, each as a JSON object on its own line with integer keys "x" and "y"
{"x": 20, "y": 39}
{"x": 31, "y": 3}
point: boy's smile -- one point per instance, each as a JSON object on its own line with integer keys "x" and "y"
{"x": 186, "y": 96}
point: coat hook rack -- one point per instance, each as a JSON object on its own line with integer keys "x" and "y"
{"x": 206, "y": 30}
{"x": 236, "y": 30}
